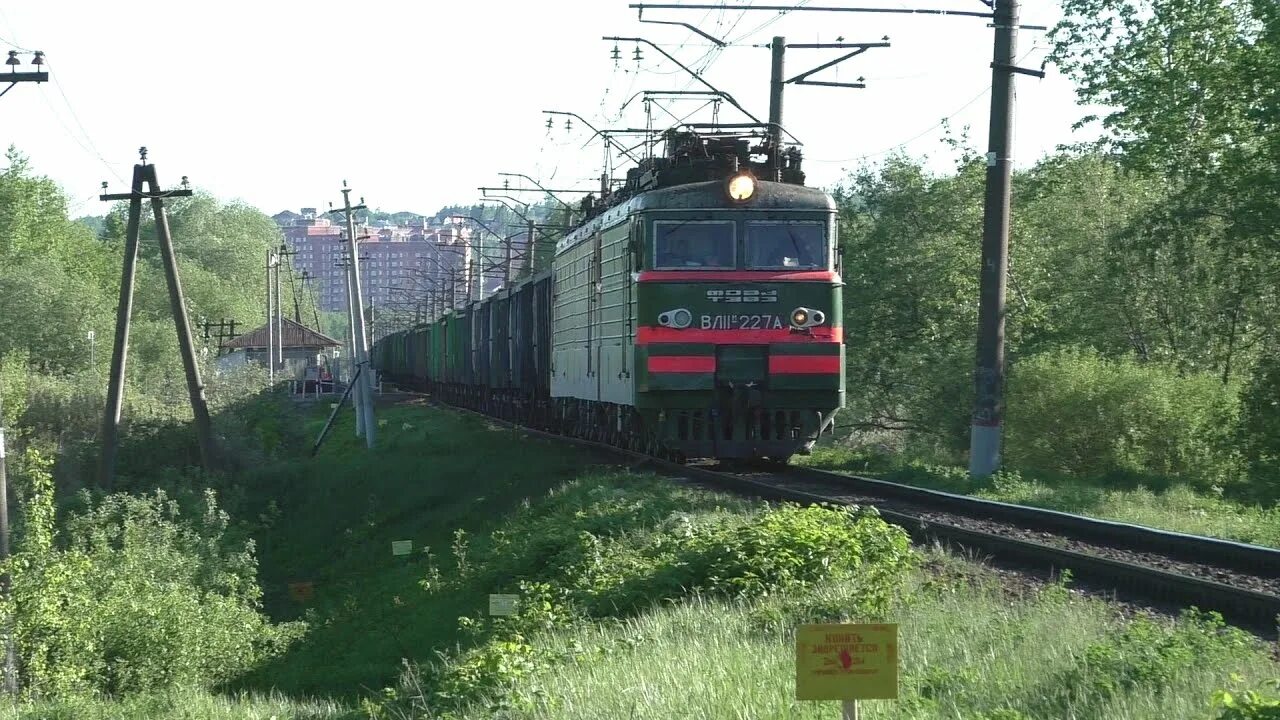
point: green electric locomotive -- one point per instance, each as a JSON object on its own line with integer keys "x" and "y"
{"x": 693, "y": 313}
{"x": 701, "y": 316}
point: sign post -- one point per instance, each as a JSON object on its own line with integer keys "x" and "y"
{"x": 848, "y": 663}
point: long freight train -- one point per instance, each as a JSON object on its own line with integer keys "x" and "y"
{"x": 695, "y": 313}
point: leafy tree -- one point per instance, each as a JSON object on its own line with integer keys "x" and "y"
{"x": 1190, "y": 91}
{"x": 910, "y": 296}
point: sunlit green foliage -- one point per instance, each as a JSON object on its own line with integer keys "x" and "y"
{"x": 130, "y": 596}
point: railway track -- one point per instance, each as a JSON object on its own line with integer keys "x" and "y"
{"x": 1240, "y": 581}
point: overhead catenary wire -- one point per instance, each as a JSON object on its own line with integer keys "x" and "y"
{"x": 910, "y": 140}
{"x": 949, "y": 117}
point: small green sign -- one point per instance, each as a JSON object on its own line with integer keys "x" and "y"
{"x": 503, "y": 604}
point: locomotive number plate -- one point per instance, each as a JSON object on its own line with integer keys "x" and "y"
{"x": 744, "y": 295}
{"x": 742, "y": 322}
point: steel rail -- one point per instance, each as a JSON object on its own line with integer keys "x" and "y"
{"x": 1255, "y": 559}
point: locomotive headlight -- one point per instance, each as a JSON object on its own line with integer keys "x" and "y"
{"x": 679, "y": 318}
{"x": 741, "y": 187}
{"x": 803, "y": 317}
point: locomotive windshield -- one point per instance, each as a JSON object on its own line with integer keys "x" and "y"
{"x": 782, "y": 244}
{"x": 693, "y": 244}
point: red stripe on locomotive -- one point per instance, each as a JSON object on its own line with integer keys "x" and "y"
{"x": 682, "y": 363}
{"x": 804, "y": 364}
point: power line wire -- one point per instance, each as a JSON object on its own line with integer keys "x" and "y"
{"x": 912, "y": 139}
{"x": 91, "y": 148}
{"x": 926, "y": 131}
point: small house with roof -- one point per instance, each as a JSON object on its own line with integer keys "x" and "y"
{"x": 304, "y": 349}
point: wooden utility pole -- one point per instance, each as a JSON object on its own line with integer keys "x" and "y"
{"x": 226, "y": 330}
{"x": 144, "y": 175}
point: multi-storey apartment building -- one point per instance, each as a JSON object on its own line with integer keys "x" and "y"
{"x": 403, "y": 263}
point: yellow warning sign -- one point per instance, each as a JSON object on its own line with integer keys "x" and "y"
{"x": 847, "y": 662}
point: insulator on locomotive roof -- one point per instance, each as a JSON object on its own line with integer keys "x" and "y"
{"x": 616, "y": 54}
{"x": 568, "y": 124}
{"x": 638, "y": 54}
{"x": 549, "y": 123}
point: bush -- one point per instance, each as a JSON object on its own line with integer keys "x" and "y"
{"x": 138, "y": 598}
{"x": 1076, "y": 413}
{"x": 1248, "y": 705}
{"x": 1147, "y": 655}
{"x": 619, "y": 549}
{"x": 615, "y": 548}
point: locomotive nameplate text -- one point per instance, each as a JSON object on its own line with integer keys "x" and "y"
{"x": 742, "y": 295}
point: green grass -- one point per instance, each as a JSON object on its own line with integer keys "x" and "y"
{"x": 969, "y": 649}
{"x": 186, "y": 705}
{"x": 1178, "y": 507}
{"x": 332, "y": 523}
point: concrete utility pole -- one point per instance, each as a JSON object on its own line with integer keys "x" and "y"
{"x": 271, "y": 343}
{"x": 279, "y": 356}
{"x": 145, "y": 175}
{"x": 365, "y": 387}
{"x": 779, "y": 49}
{"x": 353, "y": 362}
{"x": 530, "y": 250}
{"x": 988, "y": 411}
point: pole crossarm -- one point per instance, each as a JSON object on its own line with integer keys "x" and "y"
{"x": 532, "y": 189}
{"x": 17, "y": 77}
{"x": 718, "y": 42}
{"x": 692, "y": 73}
{"x": 811, "y": 8}
{"x": 859, "y": 48}
{"x": 508, "y": 206}
{"x": 1020, "y": 70}
{"x": 156, "y": 195}
{"x": 602, "y": 133}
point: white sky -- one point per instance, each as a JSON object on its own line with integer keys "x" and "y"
{"x": 417, "y": 103}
